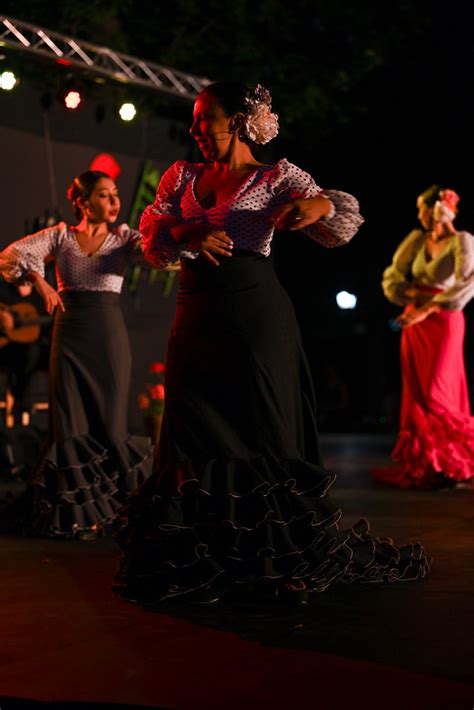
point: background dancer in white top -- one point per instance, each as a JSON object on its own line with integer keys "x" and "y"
{"x": 90, "y": 463}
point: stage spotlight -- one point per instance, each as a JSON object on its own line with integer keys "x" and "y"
{"x": 346, "y": 300}
{"x": 7, "y": 80}
{"x": 127, "y": 112}
{"x": 72, "y": 100}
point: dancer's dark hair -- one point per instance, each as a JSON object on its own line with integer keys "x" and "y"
{"x": 431, "y": 195}
{"x": 82, "y": 187}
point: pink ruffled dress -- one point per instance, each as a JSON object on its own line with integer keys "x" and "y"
{"x": 435, "y": 445}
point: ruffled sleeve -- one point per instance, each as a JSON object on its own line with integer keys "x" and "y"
{"x": 457, "y": 296}
{"x": 30, "y": 253}
{"x": 158, "y": 245}
{"x": 396, "y": 276}
{"x": 342, "y": 222}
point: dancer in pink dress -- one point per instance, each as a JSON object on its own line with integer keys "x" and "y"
{"x": 432, "y": 275}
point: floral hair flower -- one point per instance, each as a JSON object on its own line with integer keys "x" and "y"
{"x": 449, "y": 197}
{"x": 261, "y": 125}
{"x": 445, "y": 207}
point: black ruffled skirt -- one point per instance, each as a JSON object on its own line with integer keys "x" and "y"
{"x": 90, "y": 464}
{"x": 238, "y": 494}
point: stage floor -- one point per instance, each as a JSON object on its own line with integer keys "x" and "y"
{"x": 68, "y": 642}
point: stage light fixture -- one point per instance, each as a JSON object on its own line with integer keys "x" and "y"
{"x": 127, "y": 112}
{"x": 7, "y": 80}
{"x": 346, "y": 301}
{"x": 72, "y": 100}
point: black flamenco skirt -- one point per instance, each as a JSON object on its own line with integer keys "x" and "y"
{"x": 238, "y": 494}
{"x": 89, "y": 464}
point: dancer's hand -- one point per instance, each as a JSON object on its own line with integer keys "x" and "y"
{"x": 417, "y": 315}
{"x": 200, "y": 237}
{"x": 51, "y": 298}
{"x": 411, "y": 293}
{"x": 216, "y": 242}
{"x": 301, "y": 212}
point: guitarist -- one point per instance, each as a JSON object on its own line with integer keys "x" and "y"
{"x": 21, "y": 360}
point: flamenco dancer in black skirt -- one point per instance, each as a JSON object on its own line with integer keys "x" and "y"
{"x": 238, "y": 498}
{"x": 90, "y": 463}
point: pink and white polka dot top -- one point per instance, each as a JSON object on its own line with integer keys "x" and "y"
{"x": 75, "y": 270}
{"x": 246, "y": 215}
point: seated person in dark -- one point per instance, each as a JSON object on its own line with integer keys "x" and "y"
{"x": 24, "y": 340}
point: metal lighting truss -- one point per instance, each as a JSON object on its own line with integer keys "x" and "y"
{"x": 98, "y": 60}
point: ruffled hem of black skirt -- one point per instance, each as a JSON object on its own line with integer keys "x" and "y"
{"x": 79, "y": 484}
{"x": 247, "y": 522}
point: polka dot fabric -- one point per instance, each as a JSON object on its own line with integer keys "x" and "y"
{"x": 75, "y": 270}
{"x": 246, "y": 215}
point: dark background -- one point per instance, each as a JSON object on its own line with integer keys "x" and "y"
{"x": 373, "y": 99}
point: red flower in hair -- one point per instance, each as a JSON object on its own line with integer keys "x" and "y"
{"x": 450, "y": 198}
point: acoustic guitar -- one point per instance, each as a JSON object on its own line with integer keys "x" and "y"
{"x": 28, "y": 322}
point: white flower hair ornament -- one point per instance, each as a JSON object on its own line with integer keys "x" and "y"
{"x": 445, "y": 208}
{"x": 261, "y": 125}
